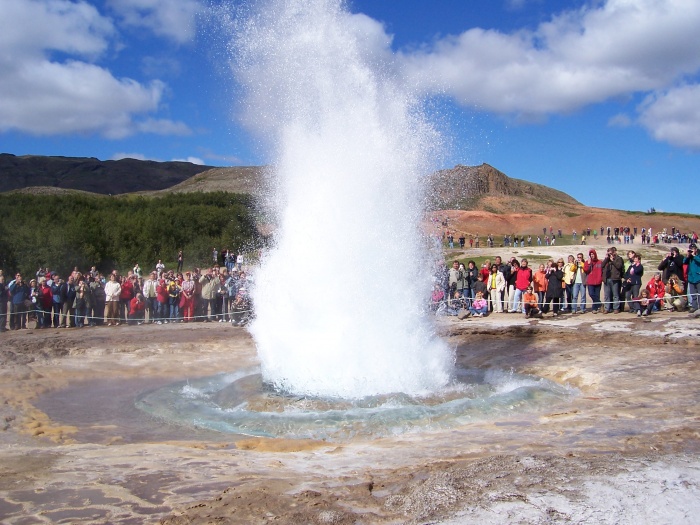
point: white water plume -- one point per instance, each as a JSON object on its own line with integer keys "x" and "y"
{"x": 340, "y": 298}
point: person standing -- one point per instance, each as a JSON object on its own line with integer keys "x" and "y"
{"x": 470, "y": 279}
{"x": 672, "y": 265}
{"x": 693, "y": 262}
{"x": 633, "y": 283}
{"x": 112, "y": 292}
{"x": 180, "y": 260}
{"x": 208, "y": 295}
{"x": 68, "y": 307}
{"x": 149, "y": 296}
{"x": 19, "y": 297}
{"x": 505, "y": 270}
{"x": 83, "y": 303}
{"x": 455, "y": 278}
{"x": 496, "y": 284}
{"x": 569, "y": 271}
{"x": 594, "y": 279}
{"x": 523, "y": 280}
{"x": 187, "y": 299}
{"x": 554, "y": 275}
{"x": 613, "y": 271}
{"x": 97, "y": 289}
{"x": 539, "y": 284}
{"x": 578, "y": 285}
{"x": 44, "y": 304}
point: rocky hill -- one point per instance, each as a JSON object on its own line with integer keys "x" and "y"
{"x": 487, "y": 189}
{"x": 91, "y": 174}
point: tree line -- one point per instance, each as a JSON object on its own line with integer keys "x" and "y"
{"x": 64, "y": 231}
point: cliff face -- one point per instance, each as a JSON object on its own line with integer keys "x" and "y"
{"x": 480, "y": 187}
{"x": 91, "y": 174}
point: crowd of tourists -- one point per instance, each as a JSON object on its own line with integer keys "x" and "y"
{"x": 583, "y": 283}
{"x": 612, "y": 235}
{"x": 90, "y": 298}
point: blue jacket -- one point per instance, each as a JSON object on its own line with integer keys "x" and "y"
{"x": 19, "y": 292}
{"x": 634, "y": 274}
{"x": 693, "y": 268}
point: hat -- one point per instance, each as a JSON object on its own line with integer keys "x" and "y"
{"x": 692, "y": 245}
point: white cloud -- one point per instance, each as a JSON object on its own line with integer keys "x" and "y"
{"x": 193, "y": 160}
{"x": 41, "y": 95}
{"x": 578, "y": 58}
{"x": 674, "y": 116}
{"x": 28, "y": 28}
{"x": 174, "y": 19}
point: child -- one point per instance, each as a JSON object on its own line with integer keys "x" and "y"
{"x": 646, "y": 305}
{"x": 530, "y": 302}
{"x": 455, "y": 304}
{"x": 480, "y": 306}
{"x": 437, "y": 297}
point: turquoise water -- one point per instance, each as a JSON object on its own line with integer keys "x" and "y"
{"x": 240, "y": 403}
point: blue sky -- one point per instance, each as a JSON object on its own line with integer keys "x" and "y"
{"x": 600, "y": 99}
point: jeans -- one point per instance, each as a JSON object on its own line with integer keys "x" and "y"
{"x": 19, "y": 314}
{"x": 483, "y": 310}
{"x": 612, "y": 294}
{"x": 579, "y": 290}
{"x": 80, "y": 313}
{"x": 161, "y": 311}
{"x": 540, "y": 299}
{"x": 43, "y": 317}
{"x": 632, "y": 293}
{"x": 594, "y": 294}
{"x": 517, "y": 306}
{"x": 569, "y": 294}
{"x": 693, "y": 297}
{"x": 152, "y": 308}
{"x": 174, "y": 303}
{"x": 57, "y": 308}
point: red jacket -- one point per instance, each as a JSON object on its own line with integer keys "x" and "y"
{"x": 656, "y": 289}
{"x": 136, "y": 306}
{"x": 523, "y": 278}
{"x": 45, "y": 297}
{"x": 162, "y": 291}
{"x": 594, "y": 269}
{"x": 127, "y": 292}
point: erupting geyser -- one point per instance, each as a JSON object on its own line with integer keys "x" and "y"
{"x": 340, "y": 297}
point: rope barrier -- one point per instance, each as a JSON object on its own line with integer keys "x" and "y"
{"x": 433, "y": 305}
{"x": 586, "y": 302}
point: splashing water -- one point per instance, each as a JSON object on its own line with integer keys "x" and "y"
{"x": 340, "y": 298}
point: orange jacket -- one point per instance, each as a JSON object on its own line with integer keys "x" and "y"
{"x": 539, "y": 281}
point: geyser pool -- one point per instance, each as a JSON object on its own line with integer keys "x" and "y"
{"x": 240, "y": 403}
{"x": 340, "y": 298}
